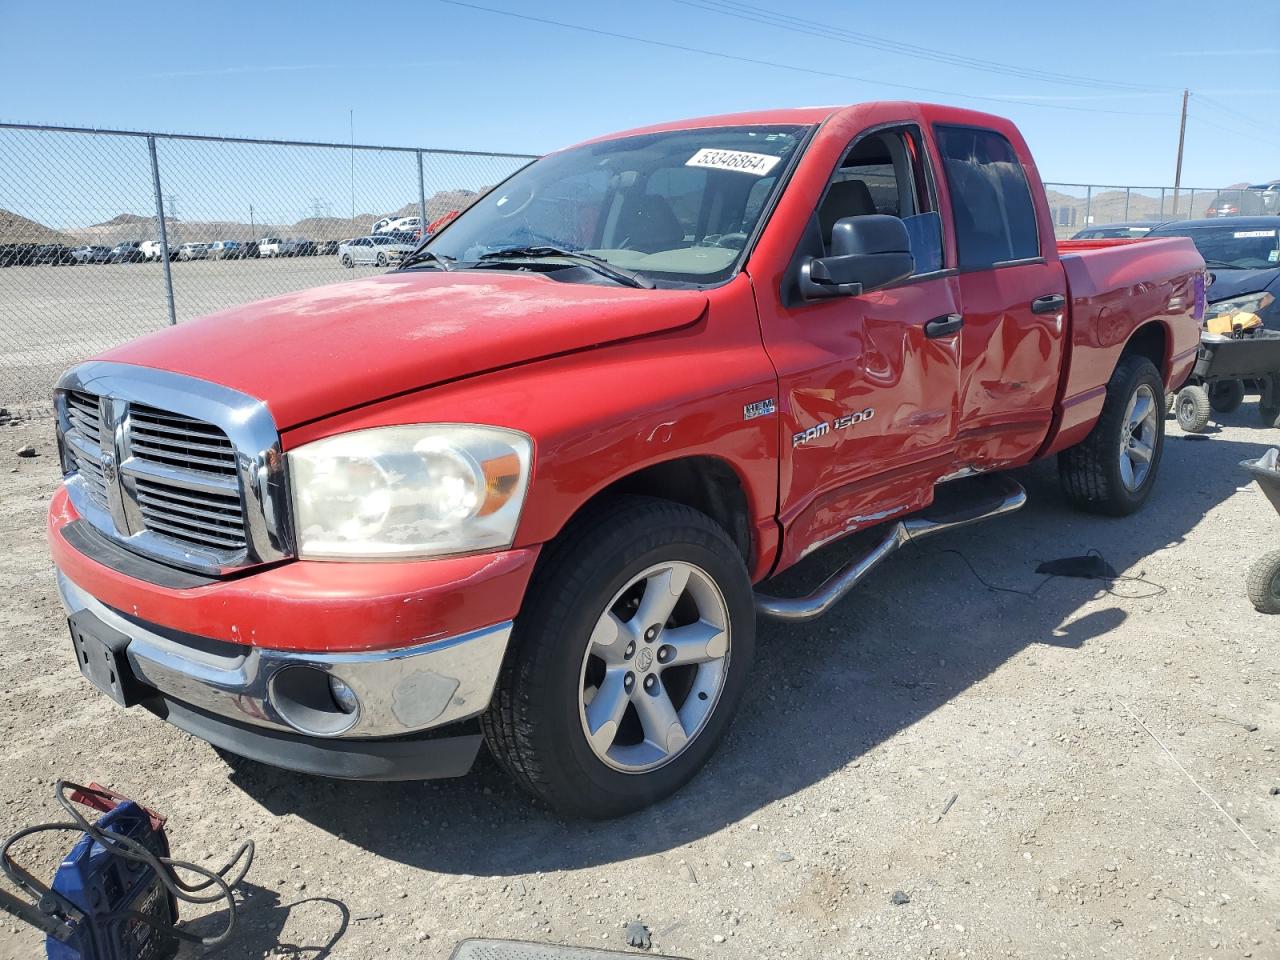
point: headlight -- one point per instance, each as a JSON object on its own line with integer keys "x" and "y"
{"x": 424, "y": 490}
{"x": 1249, "y": 303}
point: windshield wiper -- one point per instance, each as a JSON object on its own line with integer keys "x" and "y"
{"x": 427, "y": 256}
{"x": 1227, "y": 264}
{"x": 598, "y": 264}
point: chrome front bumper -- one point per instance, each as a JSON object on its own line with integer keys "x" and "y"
{"x": 400, "y": 692}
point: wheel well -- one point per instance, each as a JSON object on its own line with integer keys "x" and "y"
{"x": 1149, "y": 341}
{"x": 707, "y": 484}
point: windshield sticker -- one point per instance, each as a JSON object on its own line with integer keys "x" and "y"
{"x": 1273, "y": 256}
{"x": 1250, "y": 234}
{"x": 756, "y": 164}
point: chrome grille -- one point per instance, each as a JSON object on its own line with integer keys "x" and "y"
{"x": 204, "y": 517}
{"x": 175, "y": 468}
{"x": 178, "y": 441}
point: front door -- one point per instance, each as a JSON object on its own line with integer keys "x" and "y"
{"x": 869, "y": 383}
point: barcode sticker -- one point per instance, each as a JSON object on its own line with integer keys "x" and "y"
{"x": 1249, "y": 234}
{"x": 756, "y": 164}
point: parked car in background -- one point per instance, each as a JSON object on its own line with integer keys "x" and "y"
{"x": 193, "y": 251}
{"x": 382, "y": 250}
{"x": 91, "y": 254}
{"x": 284, "y": 246}
{"x": 226, "y": 250}
{"x": 1270, "y": 194}
{"x": 1236, "y": 203}
{"x": 129, "y": 251}
{"x": 379, "y": 224}
{"x": 269, "y": 246}
{"x": 1126, "y": 230}
{"x": 399, "y": 225}
{"x": 52, "y": 254}
{"x": 1243, "y": 257}
{"x": 327, "y": 248}
{"x": 153, "y": 250}
{"x": 16, "y": 254}
{"x": 302, "y": 247}
{"x": 249, "y": 250}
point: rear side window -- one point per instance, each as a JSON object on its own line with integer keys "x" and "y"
{"x": 994, "y": 215}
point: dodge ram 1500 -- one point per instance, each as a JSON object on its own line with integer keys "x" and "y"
{"x": 527, "y": 487}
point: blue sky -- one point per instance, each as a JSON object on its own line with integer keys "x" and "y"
{"x": 432, "y": 73}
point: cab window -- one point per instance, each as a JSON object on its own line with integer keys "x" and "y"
{"x": 991, "y": 203}
{"x": 885, "y": 173}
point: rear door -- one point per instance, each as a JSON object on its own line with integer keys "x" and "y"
{"x": 1013, "y": 293}
{"x": 868, "y": 383}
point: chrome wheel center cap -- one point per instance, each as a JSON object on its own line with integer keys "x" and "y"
{"x": 644, "y": 659}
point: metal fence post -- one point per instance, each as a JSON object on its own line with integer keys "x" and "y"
{"x": 1162, "y": 203}
{"x": 1088, "y": 204}
{"x": 1191, "y": 206}
{"x": 422, "y": 198}
{"x": 164, "y": 235}
{"x": 1127, "y": 191}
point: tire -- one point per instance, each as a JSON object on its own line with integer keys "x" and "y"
{"x": 1099, "y": 474}
{"x": 537, "y": 723}
{"x": 347, "y": 261}
{"x": 1225, "y": 396}
{"x": 382, "y": 259}
{"x": 1263, "y": 583}
{"x": 1192, "y": 408}
{"x": 1270, "y": 412}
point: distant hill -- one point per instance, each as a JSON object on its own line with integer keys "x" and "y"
{"x": 133, "y": 226}
{"x": 18, "y": 229}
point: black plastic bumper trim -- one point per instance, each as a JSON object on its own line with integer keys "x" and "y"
{"x": 423, "y": 757}
{"x": 82, "y": 535}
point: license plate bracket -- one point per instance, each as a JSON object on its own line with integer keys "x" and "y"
{"x": 100, "y": 655}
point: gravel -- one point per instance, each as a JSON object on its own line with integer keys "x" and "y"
{"x": 1074, "y": 833}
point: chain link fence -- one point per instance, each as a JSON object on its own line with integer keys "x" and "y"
{"x": 107, "y": 235}
{"x": 1078, "y": 207}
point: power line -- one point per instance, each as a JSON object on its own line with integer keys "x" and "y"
{"x": 1218, "y": 104}
{"x": 1226, "y": 129}
{"x": 795, "y": 68}
{"x": 744, "y": 11}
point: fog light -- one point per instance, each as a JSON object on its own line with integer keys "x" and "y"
{"x": 343, "y": 696}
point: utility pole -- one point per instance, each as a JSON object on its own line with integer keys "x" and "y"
{"x": 253, "y": 232}
{"x": 1182, "y": 139}
{"x": 351, "y": 119}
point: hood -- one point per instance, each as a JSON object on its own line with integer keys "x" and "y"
{"x": 319, "y": 351}
{"x": 1235, "y": 283}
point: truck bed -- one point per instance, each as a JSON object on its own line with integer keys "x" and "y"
{"x": 1114, "y": 287}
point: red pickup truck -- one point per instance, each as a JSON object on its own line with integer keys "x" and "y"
{"x": 525, "y": 488}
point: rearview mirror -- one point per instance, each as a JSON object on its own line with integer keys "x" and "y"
{"x": 866, "y": 252}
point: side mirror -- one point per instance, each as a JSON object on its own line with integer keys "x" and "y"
{"x": 866, "y": 252}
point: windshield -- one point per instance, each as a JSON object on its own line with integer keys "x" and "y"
{"x": 677, "y": 206}
{"x": 1232, "y": 247}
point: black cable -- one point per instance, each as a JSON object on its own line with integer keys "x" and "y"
{"x": 1110, "y": 580}
{"x": 125, "y": 847}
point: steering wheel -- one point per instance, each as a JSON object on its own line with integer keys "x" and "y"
{"x": 731, "y": 241}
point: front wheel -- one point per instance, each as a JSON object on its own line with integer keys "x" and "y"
{"x": 628, "y": 659}
{"x": 1114, "y": 468}
{"x": 1263, "y": 583}
{"x": 1193, "y": 408}
{"x": 347, "y": 261}
{"x": 382, "y": 259}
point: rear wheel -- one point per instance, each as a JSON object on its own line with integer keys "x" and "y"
{"x": 1193, "y": 408}
{"x": 1263, "y": 584}
{"x": 1225, "y": 396}
{"x": 628, "y": 659}
{"x": 347, "y": 261}
{"x": 1114, "y": 468}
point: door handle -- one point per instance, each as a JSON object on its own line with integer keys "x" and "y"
{"x": 943, "y": 326}
{"x": 1050, "y": 304}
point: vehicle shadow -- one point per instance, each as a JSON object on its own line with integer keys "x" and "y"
{"x": 921, "y": 630}
{"x": 261, "y": 919}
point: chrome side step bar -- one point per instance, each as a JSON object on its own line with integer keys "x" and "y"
{"x": 1000, "y": 495}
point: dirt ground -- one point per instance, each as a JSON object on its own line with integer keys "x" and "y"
{"x": 1035, "y": 775}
